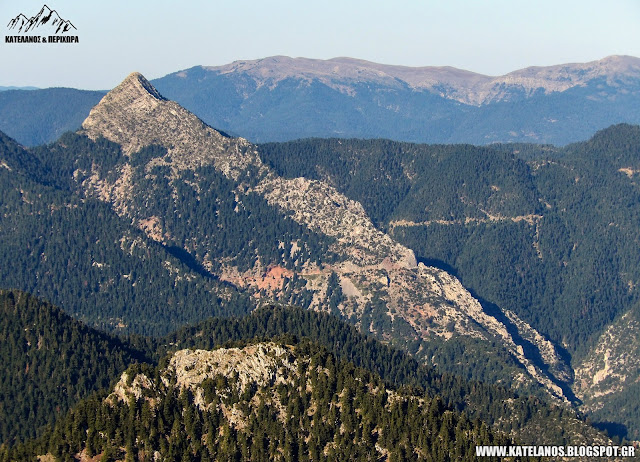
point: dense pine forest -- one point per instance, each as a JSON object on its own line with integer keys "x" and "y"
{"x": 51, "y": 398}
{"x": 325, "y": 409}
{"x": 50, "y": 362}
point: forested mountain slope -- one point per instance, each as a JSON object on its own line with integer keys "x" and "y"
{"x": 264, "y": 401}
{"x": 50, "y": 362}
{"x": 54, "y": 361}
{"x": 554, "y": 239}
{"x": 207, "y": 224}
{"x": 556, "y": 234}
{"x": 80, "y": 255}
{"x": 526, "y": 418}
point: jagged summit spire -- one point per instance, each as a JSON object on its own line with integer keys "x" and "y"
{"x": 123, "y": 112}
{"x": 134, "y": 86}
{"x": 137, "y": 80}
{"x": 135, "y": 115}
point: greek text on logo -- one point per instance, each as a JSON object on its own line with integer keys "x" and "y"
{"x": 47, "y": 24}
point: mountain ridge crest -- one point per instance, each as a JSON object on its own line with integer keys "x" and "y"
{"x": 460, "y": 85}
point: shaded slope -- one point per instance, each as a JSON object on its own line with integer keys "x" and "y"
{"x": 80, "y": 255}
{"x": 50, "y": 362}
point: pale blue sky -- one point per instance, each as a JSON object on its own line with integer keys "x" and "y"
{"x": 492, "y": 37}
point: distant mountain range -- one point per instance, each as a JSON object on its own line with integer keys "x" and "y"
{"x": 345, "y": 74}
{"x": 46, "y": 17}
{"x": 281, "y": 98}
{"x": 17, "y": 88}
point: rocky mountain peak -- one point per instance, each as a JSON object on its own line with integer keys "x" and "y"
{"x": 135, "y": 115}
{"x": 136, "y": 82}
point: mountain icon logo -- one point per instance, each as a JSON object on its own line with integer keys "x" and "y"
{"x": 47, "y": 18}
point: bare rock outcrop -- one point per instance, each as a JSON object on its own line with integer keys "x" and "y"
{"x": 325, "y": 210}
{"x": 264, "y": 364}
{"x": 260, "y": 365}
{"x": 612, "y": 365}
{"x": 135, "y": 115}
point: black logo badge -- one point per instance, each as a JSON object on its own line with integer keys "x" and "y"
{"x": 48, "y": 24}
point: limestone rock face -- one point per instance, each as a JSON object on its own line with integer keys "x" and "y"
{"x": 325, "y": 210}
{"x": 375, "y": 272}
{"x": 135, "y": 115}
{"x": 612, "y": 365}
{"x": 135, "y": 387}
{"x": 263, "y": 364}
{"x": 260, "y": 365}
